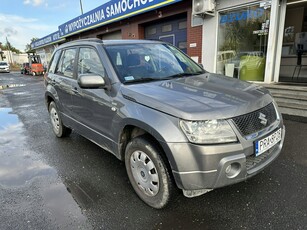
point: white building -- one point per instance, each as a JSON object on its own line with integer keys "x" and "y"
{"x": 14, "y": 58}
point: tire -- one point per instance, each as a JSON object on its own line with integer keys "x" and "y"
{"x": 58, "y": 128}
{"x": 33, "y": 73}
{"x": 148, "y": 173}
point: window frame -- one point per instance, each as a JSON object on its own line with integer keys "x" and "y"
{"x": 104, "y": 74}
{"x": 74, "y": 65}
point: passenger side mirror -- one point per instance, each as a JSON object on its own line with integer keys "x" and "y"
{"x": 91, "y": 81}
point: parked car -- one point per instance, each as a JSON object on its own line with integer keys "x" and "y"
{"x": 172, "y": 123}
{"x": 4, "y": 67}
{"x": 25, "y": 69}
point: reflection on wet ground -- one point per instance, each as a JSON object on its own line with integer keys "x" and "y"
{"x": 21, "y": 168}
{"x": 11, "y": 86}
{"x": 17, "y": 166}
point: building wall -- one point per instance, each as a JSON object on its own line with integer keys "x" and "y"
{"x": 222, "y": 4}
{"x": 209, "y": 43}
{"x": 14, "y": 58}
{"x": 20, "y": 58}
{"x": 194, "y": 38}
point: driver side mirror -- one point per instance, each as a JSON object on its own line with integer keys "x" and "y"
{"x": 91, "y": 81}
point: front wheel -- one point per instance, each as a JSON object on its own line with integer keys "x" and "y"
{"x": 148, "y": 173}
{"x": 59, "y": 129}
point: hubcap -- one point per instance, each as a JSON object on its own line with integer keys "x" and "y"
{"x": 144, "y": 173}
{"x": 55, "y": 119}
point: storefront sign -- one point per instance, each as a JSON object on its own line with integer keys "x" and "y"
{"x": 243, "y": 15}
{"x": 261, "y": 32}
{"x": 264, "y": 29}
{"x": 49, "y": 39}
{"x": 110, "y": 12}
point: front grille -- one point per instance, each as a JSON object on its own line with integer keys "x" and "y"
{"x": 257, "y": 120}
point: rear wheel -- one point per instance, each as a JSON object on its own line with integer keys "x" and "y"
{"x": 148, "y": 173}
{"x": 59, "y": 129}
{"x": 33, "y": 73}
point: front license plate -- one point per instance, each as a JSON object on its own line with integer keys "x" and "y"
{"x": 268, "y": 142}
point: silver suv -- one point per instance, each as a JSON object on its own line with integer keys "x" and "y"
{"x": 172, "y": 123}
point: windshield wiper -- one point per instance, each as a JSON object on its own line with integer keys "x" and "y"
{"x": 148, "y": 79}
{"x": 140, "y": 80}
{"x": 185, "y": 74}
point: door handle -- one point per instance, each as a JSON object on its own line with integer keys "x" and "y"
{"x": 75, "y": 90}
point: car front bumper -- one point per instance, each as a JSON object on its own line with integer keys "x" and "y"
{"x": 4, "y": 70}
{"x": 206, "y": 167}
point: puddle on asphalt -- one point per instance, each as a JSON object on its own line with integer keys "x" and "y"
{"x": 11, "y": 86}
{"x": 19, "y": 167}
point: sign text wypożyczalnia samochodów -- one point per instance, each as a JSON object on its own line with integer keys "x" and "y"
{"x": 54, "y": 37}
{"x": 109, "y": 12}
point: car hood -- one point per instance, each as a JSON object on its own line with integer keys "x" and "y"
{"x": 201, "y": 97}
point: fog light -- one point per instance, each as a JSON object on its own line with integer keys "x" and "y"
{"x": 233, "y": 170}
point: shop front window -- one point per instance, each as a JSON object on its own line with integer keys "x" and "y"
{"x": 242, "y": 42}
{"x": 293, "y": 66}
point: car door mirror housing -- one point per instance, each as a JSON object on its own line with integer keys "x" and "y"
{"x": 91, "y": 81}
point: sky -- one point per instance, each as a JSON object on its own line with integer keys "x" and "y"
{"x": 22, "y": 20}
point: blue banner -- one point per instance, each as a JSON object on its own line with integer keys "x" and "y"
{"x": 242, "y": 15}
{"x": 110, "y": 12}
{"x": 49, "y": 39}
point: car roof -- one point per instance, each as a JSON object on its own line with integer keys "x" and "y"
{"x": 108, "y": 42}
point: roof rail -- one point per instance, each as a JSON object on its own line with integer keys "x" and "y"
{"x": 88, "y": 40}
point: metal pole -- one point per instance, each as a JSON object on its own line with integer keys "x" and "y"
{"x": 9, "y": 51}
{"x": 81, "y": 7}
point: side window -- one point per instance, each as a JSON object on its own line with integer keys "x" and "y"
{"x": 66, "y": 64}
{"x": 89, "y": 62}
{"x": 54, "y": 61}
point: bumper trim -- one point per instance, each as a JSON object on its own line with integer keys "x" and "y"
{"x": 191, "y": 172}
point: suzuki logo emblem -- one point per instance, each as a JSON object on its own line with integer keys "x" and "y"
{"x": 262, "y": 118}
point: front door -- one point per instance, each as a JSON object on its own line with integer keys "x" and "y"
{"x": 92, "y": 107}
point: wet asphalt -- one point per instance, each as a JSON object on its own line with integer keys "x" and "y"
{"x": 70, "y": 183}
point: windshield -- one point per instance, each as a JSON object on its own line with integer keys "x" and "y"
{"x": 3, "y": 63}
{"x": 146, "y": 62}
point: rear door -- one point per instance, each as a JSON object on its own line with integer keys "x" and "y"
{"x": 62, "y": 80}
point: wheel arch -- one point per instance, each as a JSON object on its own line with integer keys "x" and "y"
{"x": 50, "y": 95}
{"x": 48, "y": 99}
{"x": 136, "y": 128}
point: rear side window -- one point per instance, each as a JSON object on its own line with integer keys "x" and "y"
{"x": 89, "y": 62}
{"x": 66, "y": 63}
{"x": 53, "y": 62}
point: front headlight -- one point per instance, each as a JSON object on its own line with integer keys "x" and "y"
{"x": 208, "y": 132}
